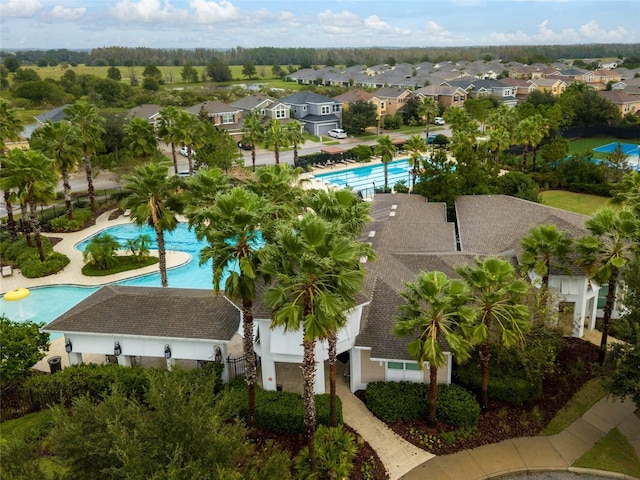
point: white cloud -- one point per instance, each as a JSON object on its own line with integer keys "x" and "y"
{"x": 19, "y": 8}
{"x": 342, "y": 19}
{"x": 147, "y": 11}
{"x": 588, "y": 33}
{"x": 69, "y": 14}
{"x": 214, "y": 12}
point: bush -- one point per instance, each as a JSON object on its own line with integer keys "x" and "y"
{"x": 401, "y": 187}
{"x": 457, "y": 406}
{"x": 335, "y": 451}
{"x": 392, "y": 401}
{"x": 19, "y": 249}
{"x": 63, "y": 224}
{"x": 361, "y": 153}
{"x": 53, "y": 263}
{"x": 601, "y": 189}
{"x": 283, "y": 411}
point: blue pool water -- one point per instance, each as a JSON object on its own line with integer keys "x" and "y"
{"x": 45, "y": 304}
{"x": 369, "y": 176}
{"x": 627, "y": 148}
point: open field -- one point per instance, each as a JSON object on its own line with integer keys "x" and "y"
{"x": 574, "y": 202}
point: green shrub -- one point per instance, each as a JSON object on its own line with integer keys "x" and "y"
{"x": 63, "y": 224}
{"x": 401, "y": 187}
{"x": 34, "y": 268}
{"x": 19, "y": 248}
{"x": 457, "y": 406}
{"x": 283, "y": 411}
{"x": 335, "y": 451}
{"x": 361, "y": 153}
{"x": 392, "y": 401}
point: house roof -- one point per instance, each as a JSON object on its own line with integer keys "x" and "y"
{"x": 212, "y": 107}
{"x": 354, "y": 95}
{"x": 391, "y": 92}
{"x": 145, "y": 111}
{"x": 303, "y": 98}
{"x": 152, "y": 312}
{"x": 617, "y": 97}
{"x": 254, "y": 101}
{"x": 55, "y": 115}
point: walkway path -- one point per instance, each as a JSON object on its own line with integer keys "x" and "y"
{"x": 398, "y": 455}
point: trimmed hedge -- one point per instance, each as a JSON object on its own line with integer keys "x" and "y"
{"x": 284, "y": 411}
{"x": 393, "y": 401}
{"x": 63, "y": 224}
{"x": 53, "y": 263}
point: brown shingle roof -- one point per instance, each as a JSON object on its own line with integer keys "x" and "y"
{"x": 152, "y": 312}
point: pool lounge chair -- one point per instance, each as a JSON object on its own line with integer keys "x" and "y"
{"x": 7, "y": 270}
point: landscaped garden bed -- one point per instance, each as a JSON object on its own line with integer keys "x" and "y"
{"x": 502, "y": 421}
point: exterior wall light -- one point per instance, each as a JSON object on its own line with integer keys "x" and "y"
{"x": 117, "y": 349}
{"x": 68, "y": 347}
{"x": 167, "y": 351}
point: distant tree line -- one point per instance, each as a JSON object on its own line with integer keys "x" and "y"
{"x": 307, "y": 57}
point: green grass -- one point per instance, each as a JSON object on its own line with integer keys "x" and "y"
{"x": 613, "y": 453}
{"x": 574, "y": 202}
{"x": 589, "y": 394}
{"x": 123, "y": 263}
{"x": 27, "y": 426}
{"x": 588, "y": 144}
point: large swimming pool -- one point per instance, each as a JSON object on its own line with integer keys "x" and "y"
{"x": 369, "y": 177}
{"x": 45, "y": 304}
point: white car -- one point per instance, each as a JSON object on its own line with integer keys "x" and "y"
{"x": 184, "y": 151}
{"x": 438, "y": 121}
{"x": 337, "y": 133}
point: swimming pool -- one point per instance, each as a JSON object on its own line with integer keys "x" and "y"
{"x": 369, "y": 177}
{"x": 45, "y": 304}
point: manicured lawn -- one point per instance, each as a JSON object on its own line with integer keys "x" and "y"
{"x": 574, "y": 202}
{"x": 588, "y": 144}
{"x": 582, "y": 401}
{"x": 26, "y": 426}
{"x": 612, "y": 453}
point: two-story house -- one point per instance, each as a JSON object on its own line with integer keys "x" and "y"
{"x": 267, "y": 107}
{"x": 318, "y": 113}
{"x": 444, "y": 95}
{"x": 221, "y": 115}
{"x": 394, "y": 98}
{"x": 475, "y": 88}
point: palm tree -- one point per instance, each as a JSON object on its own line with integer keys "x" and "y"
{"x": 100, "y": 251}
{"x": 428, "y": 109}
{"x": 316, "y": 269}
{"x": 296, "y": 135}
{"x": 496, "y": 294}
{"x": 499, "y": 140}
{"x": 34, "y": 175}
{"x": 275, "y": 136}
{"x": 350, "y": 215}
{"x": 543, "y": 245}
{"x": 387, "y": 150}
{"x": 232, "y": 229}
{"x": 153, "y": 201}
{"x": 141, "y": 139}
{"x": 605, "y": 253}
{"x": 539, "y": 129}
{"x": 84, "y": 117}
{"x": 60, "y": 141}
{"x": 168, "y": 132}
{"x": 436, "y": 309}
{"x": 416, "y": 147}
{"x": 10, "y": 128}
{"x": 627, "y": 192}
{"x": 191, "y": 131}
{"x": 253, "y": 130}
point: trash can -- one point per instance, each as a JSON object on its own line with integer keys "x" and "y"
{"x": 55, "y": 364}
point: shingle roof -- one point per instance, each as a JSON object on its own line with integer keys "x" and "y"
{"x": 152, "y": 312}
{"x": 212, "y": 106}
{"x": 54, "y": 115}
{"x": 302, "y": 98}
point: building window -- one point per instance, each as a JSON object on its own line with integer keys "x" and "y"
{"x": 281, "y": 114}
{"x": 411, "y": 366}
{"x": 325, "y": 110}
{"x": 455, "y": 98}
{"x": 227, "y": 118}
{"x": 462, "y": 98}
{"x": 395, "y": 365}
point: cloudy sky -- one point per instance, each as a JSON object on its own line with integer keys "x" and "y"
{"x": 84, "y": 24}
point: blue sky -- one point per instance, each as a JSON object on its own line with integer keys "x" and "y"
{"x": 78, "y": 24}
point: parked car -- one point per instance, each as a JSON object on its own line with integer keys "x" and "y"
{"x": 245, "y": 146}
{"x": 184, "y": 151}
{"x": 438, "y": 121}
{"x": 431, "y": 138}
{"x": 337, "y": 133}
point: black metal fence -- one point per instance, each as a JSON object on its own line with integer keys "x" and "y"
{"x": 236, "y": 366}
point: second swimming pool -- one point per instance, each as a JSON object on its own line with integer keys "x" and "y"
{"x": 369, "y": 176}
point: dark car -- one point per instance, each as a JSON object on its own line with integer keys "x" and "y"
{"x": 245, "y": 146}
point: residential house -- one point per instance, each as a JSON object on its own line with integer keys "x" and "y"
{"x": 523, "y": 87}
{"x": 598, "y": 79}
{"x": 444, "y": 95}
{"x": 360, "y": 95}
{"x": 409, "y": 235}
{"x": 476, "y": 88}
{"x": 148, "y": 111}
{"x": 555, "y": 86}
{"x": 55, "y": 115}
{"x": 625, "y": 103}
{"x": 221, "y": 115}
{"x": 318, "y": 113}
{"x": 393, "y": 98}
{"x": 267, "y": 107}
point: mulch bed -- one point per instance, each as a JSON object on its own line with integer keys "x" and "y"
{"x": 366, "y": 465}
{"x": 502, "y": 421}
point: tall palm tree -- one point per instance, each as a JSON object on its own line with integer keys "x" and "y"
{"x": 34, "y": 175}
{"x": 141, "y": 139}
{"x": 416, "y": 147}
{"x": 153, "y": 201}
{"x": 275, "y": 136}
{"x": 350, "y": 215}
{"x": 315, "y": 269}
{"x": 296, "y": 135}
{"x": 428, "y": 109}
{"x": 499, "y": 140}
{"x": 91, "y": 126}
{"x": 253, "y": 130}
{"x": 191, "y": 130}
{"x": 605, "y": 253}
{"x": 436, "y": 309}
{"x": 232, "y": 229}
{"x": 543, "y": 245}
{"x": 10, "y": 128}
{"x": 60, "y": 141}
{"x": 387, "y": 150}
{"x": 540, "y": 128}
{"x": 168, "y": 132}
{"x": 627, "y": 192}
{"x": 496, "y": 294}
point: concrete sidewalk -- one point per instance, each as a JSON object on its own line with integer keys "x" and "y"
{"x": 544, "y": 453}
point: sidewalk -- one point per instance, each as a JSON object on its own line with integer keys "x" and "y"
{"x": 545, "y": 453}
